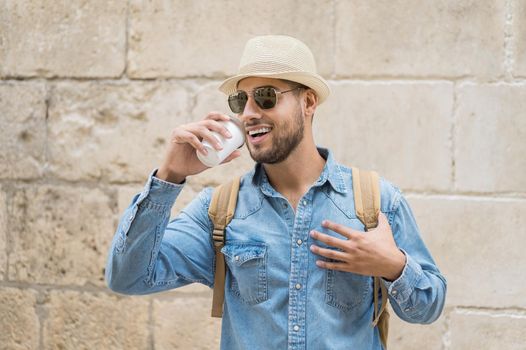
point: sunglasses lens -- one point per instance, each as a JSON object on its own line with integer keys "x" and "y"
{"x": 237, "y": 101}
{"x": 265, "y": 97}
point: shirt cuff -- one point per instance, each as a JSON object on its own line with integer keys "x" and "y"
{"x": 160, "y": 192}
{"x": 401, "y": 288}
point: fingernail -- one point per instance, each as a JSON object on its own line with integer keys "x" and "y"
{"x": 228, "y": 134}
{"x": 312, "y": 247}
{"x": 312, "y": 233}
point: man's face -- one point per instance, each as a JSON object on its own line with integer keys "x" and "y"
{"x": 272, "y": 134}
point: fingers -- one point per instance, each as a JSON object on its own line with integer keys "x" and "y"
{"x": 329, "y": 253}
{"x": 195, "y": 133}
{"x": 329, "y": 240}
{"x": 217, "y": 116}
{"x": 343, "y": 230}
{"x": 184, "y": 136}
{"x": 214, "y": 125}
{"x": 332, "y": 265}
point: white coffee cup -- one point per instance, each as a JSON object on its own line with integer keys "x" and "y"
{"x": 215, "y": 157}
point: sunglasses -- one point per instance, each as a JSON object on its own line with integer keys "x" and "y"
{"x": 266, "y": 97}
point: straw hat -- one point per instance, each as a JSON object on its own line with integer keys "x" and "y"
{"x": 279, "y": 57}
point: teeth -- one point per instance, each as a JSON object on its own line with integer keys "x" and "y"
{"x": 258, "y": 131}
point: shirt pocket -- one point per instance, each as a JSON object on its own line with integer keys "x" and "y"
{"x": 348, "y": 291}
{"x": 247, "y": 262}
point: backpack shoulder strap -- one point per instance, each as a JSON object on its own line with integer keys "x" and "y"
{"x": 366, "y": 191}
{"x": 221, "y": 211}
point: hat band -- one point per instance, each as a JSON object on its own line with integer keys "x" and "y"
{"x": 269, "y": 67}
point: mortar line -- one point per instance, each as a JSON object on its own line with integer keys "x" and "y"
{"x": 453, "y": 136}
{"x": 491, "y": 311}
{"x": 6, "y": 230}
{"x": 47, "y": 102}
{"x": 333, "y": 79}
{"x": 45, "y": 287}
{"x": 494, "y": 196}
{"x": 41, "y": 319}
{"x": 151, "y": 328}
{"x": 126, "y": 40}
{"x": 509, "y": 47}
{"x": 107, "y": 187}
{"x": 446, "y": 336}
{"x": 334, "y": 38}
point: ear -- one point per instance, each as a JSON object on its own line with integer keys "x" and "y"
{"x": 310, "y": 102}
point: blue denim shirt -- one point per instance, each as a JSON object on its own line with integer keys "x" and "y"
{"x": 276, "y": 297}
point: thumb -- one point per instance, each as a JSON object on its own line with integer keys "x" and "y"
{"x": 234, "y": 155}
{"x": 383, "y": 222}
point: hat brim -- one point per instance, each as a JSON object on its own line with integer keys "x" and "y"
{"x": 314, "y": 81}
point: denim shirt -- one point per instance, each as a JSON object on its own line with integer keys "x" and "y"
{"x": 275, "y": 295}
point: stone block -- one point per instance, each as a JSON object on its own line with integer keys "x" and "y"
{"x": 19, "y": 322}
{"x": 22, "y": 129}
{"x": 487, "y": 330}
{"x": 95, "y": 321}
{"x": 489, "y": 138}
{"x": 419, "y": 38}
{"x": 60, "y": 235}
{"x": 400, "y": 129}
{"x": 185, "y": 323}
{"x": 478, "y": 244}
{"x": 407, "y": 336}
{"x": 519, "y": 37}
{"x": 62, "y": 38}
{"x": 3, "y": 234}
{"x": 180, "y": 38}
{"x": 111, "y": 131}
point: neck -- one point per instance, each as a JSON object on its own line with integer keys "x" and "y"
{"x": 294, "y": 176}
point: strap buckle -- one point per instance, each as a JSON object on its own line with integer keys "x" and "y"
{"x": 219, "y": 237}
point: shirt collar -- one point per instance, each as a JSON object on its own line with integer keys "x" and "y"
{"x": 331, "y": 173}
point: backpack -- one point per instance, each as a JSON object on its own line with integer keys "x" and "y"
{"x": 366, "y": 189}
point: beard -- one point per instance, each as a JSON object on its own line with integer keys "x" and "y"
{"x": 285, "y": 140}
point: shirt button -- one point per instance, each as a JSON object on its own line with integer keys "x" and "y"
{"x": 296, "y": 328}
{"x": 298, "y": 286}
{"x": 395, "y": 292}
{"x": 237, "y": 258}
{"x": 299, "y": 241}
{"x": 304, "y": 202}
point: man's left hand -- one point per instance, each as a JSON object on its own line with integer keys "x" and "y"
{"x": 371, "y": 253}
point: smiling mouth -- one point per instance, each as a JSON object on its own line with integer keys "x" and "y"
{"x": 258, "y": 135}
{"x": 259, "y": 132}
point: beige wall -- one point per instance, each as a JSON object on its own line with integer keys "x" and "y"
{"x": 432, "y": 94}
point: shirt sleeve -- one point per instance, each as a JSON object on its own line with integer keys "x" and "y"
{"x": 418, "y": 295}
{"x": 150, "y": 253}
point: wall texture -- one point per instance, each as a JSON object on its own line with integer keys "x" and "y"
{"x": 432, "y": 94}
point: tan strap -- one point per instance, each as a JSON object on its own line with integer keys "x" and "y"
{"x": 366, "y": 189}
{"x": 379, "y": 287}
{"x": 221, "y": 212}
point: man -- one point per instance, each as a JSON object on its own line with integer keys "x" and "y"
{"x": 299, "y": 267}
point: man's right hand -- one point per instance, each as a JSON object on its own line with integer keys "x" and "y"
{"x": 181, "y": 160}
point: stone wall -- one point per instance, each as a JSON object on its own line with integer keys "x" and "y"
{"x": 430, "y": 94}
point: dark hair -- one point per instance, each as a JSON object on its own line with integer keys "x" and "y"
{"x": 295, "y": 85}
{"x": 299, "y": 87}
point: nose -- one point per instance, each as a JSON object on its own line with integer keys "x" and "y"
{"x": 250, "y": 112}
